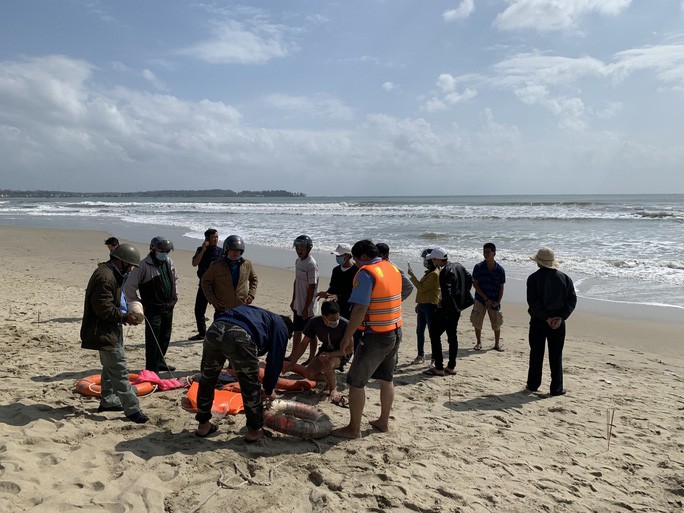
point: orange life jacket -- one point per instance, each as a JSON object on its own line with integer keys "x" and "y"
{"x": 384, "y": 311}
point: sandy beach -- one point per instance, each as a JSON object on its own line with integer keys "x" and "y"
{"x": 473, "y": 442}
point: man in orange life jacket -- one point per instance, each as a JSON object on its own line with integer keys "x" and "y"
{"x": 376, "y": 310}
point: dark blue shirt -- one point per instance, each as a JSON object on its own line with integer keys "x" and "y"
{"x": 211, "y": 254}
{"x": 489, "y": 281}
{"x": 269, "y": 333}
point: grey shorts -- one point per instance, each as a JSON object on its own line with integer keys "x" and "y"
{"x": 375, "y": 358}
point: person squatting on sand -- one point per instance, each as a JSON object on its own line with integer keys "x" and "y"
{"x": 102, "y": 330}
{"x": 304, "y": 289}
{"x": 454, "y": 283}
{"x": 376, "y": 311}
{"x": 551, "y": 299}
{"x": 427, "y": 299}
{"x": 328, "y": 328}
{"x": 230, "y": 281}
{"x": 207, "y": 253}
{"x": 242, "y": 335}
{"x": 488, "y": 281}
{"x": 155, "y": 279}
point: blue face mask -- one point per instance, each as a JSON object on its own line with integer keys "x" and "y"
{"x": 339, "y": 260}
{"x": 161, "y": 256}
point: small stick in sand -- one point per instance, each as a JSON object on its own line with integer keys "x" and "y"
{"x": 610, "y": 415}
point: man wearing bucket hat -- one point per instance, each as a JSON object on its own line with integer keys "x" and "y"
{"x": 551, "y": 299}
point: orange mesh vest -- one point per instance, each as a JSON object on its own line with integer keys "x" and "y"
{"x": 384, "y": 311}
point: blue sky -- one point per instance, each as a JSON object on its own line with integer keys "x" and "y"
{"x": 372, "y": 97}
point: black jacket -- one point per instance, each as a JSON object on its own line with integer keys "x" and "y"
{"x": 550, "y": 293}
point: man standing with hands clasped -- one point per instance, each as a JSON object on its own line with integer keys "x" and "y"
{"x": 207, "y": 253}
{"x": 551, "y": 299}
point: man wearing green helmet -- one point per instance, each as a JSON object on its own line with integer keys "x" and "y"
{"x": 102, "y": 330}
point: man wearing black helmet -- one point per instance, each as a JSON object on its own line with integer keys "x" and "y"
{"x": 230, "y": 281}
{"x": 207, "y": 253}
{"x": 304, "y": 290}
{"x": 155, "y": 280}
{"x": 102, "y": 330}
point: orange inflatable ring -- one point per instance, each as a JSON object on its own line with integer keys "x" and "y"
{"x": 289, "y": 385}
{"x": 297, "y": 419}
{"x": 225, "y": 401}
{"x": 92, "y": 386}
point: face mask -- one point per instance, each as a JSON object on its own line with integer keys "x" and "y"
{"x": 332, "y": 324}
{"x": 161, "y": 256}
{"x": 339, "y": 260}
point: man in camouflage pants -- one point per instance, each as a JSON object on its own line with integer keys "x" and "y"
{"x": 242, "y": 335}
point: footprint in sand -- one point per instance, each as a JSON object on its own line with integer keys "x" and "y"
{"x": 9, "y": 487}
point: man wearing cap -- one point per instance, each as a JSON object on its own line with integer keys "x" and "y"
{"x": 551, "y": 299}
{"x": 454, "y": 284}
{"x": 341, "y": 280}
{"x": 155, "y": 279}
{"x": 102, "y": 330}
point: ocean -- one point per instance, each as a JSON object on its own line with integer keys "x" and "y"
{"x": 623, "y": 249}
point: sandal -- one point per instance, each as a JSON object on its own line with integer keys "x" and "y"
{"x": 433, "y": 372}
{"x": 449, "y": 370}
{"x": 418, "y": 359}
{"x": 499, "y": 348}
{"x": 212, "y": 429}
{"x": 477, "y": 347}
{"x": 340, "y": 401}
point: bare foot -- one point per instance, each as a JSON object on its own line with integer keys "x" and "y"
{"x": 380, "y": 426}
{"x": 255, "y": 436}
{"x": 345, "y": 432}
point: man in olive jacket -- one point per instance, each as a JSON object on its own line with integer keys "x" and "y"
{"x": 102, "y": 330}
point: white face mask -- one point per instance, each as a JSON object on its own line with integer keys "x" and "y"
{"x": 161, "y": 256}
{"x": 332, "y": 324}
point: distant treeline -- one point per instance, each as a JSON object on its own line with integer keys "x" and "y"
{"x": 206, "y": 193}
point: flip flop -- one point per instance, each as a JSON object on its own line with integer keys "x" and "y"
{"x": 477, "y": 347}
{"x": 433, "y": 372}
{"x": 212, "y": 429}
{"x": 499, "y": 348}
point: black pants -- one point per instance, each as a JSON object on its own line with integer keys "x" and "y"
{"x": 540, "y": 333}
{"x": 228, "y": 341}
{"x": 157, "y": 339}
{"x": 200, "y": 310}
{"x": 442, "y": 321}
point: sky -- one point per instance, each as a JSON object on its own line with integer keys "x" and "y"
{"x": 343, "y": 98}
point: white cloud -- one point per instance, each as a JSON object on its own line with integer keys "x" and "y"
{"x": 152, "y": 79}
{"x": 447, "y": 83}
{"x": 318, "y": 106}
{"x": 548, "y": 15}
{"x": 465, "y": 9}
{"x": 236, "y": 42}
{"x": 666, "y": 60}
{"x": 389, "y": 86}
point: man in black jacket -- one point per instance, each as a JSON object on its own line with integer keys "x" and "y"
{"x": 454, "y": 283}
{"x": 101, "y": 330}
{"x": 551, "y": 299}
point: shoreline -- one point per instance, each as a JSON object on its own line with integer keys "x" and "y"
{"x": 638, "y": 327}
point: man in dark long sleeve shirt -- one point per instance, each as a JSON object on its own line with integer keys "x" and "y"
{"x": 551, "y": 299}
{"x": 242, "y": 335}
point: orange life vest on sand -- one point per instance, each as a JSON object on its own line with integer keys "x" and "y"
{"x": 384, "y": 312}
